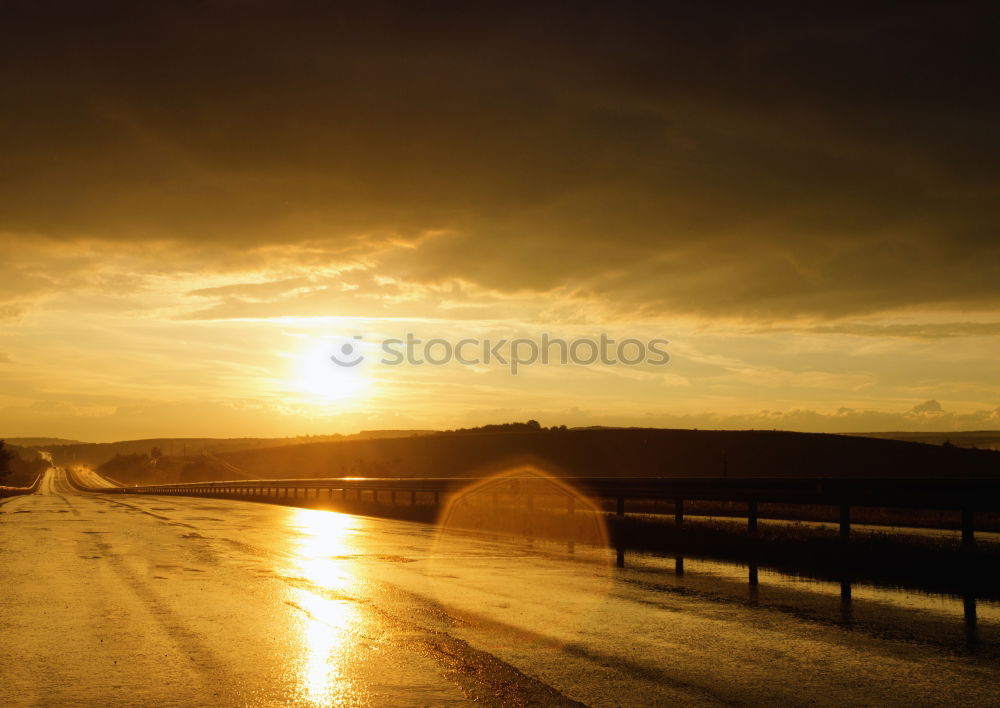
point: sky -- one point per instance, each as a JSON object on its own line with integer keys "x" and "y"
{"x": 199, "y": 202}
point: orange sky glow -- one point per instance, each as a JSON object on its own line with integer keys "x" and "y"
{"x": 195, "y": 210}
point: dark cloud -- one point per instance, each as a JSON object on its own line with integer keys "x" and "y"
{"x": 930, "y": 407}
{"x": 757, "y": 159}
{"x": 931, "y": 330}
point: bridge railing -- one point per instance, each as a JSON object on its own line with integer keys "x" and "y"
{"x": 541, "y": 493}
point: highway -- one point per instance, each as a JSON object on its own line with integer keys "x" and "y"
{"x": 113, "y": 600}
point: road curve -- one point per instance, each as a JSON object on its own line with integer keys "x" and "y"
{"x": 169, "y": 601}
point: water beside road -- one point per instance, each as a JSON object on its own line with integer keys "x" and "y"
{"x": 136, "y": 600}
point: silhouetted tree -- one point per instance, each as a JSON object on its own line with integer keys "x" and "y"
{"x": 156, "y": 453}
{"x": 531, "y": 425}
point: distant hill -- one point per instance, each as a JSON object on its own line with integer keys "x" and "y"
{"x": 576, "y": 452}
{"x": 375, "y": 434}
{"x": 38, "y": 442}
{"x": 982, "y": 439}
{"x": 139, "y": 468}
{"x": 96, "y": 454}
{"x": 608, "y": 452}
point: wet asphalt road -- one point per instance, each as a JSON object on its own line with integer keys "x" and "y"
{"x": 170, "y": 601}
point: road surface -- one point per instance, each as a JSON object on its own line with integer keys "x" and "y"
{"x": 170, "y": 601}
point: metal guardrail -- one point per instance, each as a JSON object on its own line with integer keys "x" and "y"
{"x": 17, "y": 491}
{"x": 965, "y": 495}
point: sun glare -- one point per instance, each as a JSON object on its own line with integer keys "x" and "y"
{"x": 330, "y": 370}
{"x": 331, "y": 622}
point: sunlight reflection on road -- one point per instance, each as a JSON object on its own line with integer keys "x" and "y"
{"x": 329, "y": 624}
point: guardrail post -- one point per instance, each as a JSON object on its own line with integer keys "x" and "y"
{"x": 752, "y": 517}
{"x": 621, "y": 506}
{"x": 678, "y": 511}
{"x": 529, "y": 529}
{"x": 968, "y": 530}
{"x": 845, "y": 522}
{"x": 570, "y": 510}
{"x": 969, "y": 610}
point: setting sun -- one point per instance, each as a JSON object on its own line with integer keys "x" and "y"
{"x": 322, "y": 379}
